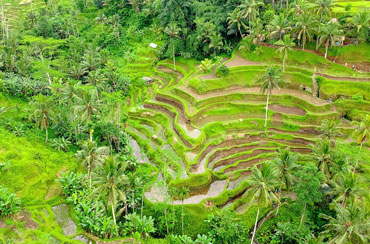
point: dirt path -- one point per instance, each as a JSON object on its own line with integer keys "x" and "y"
{"x": 239, "y": 61}
{"x": 344, "y": 78}
{"x": 256, "y": 90}
{"x": 212, "y": 75}
{"x": 315, "y": 86}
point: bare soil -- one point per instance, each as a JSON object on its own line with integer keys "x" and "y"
{"x": 287, "y": 110}
{"x": 239, "y": 61}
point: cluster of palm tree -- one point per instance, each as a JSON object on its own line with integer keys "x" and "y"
{"x": 301, "y": 20}
{"x": 339, "y": 179}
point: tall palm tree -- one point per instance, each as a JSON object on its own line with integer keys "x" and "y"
{"x": 263, "y": 182}
{"x": 250, "y": 9}
{"x": 322, "y": 155}
{"x": 322, "y": 8}
{"x": 183, "y": 193}
{"x": 362, "y": 21}
{"x": 351, "y": 225}
{"x": 236, "y": 18}
{"x": 87, "y": 105}
{"x": 216, "y": 43}
{"x": 362, "y": 133}
{"x": 330, "y": 33}
{"x": 91, "y": 155}
{"x": 304, "y": 28}
{"x": 285, "y": 46}
{"x": 43, "y": 112}
{"x": 347, "y": 185}
{"x": 110, "y": 180}
{"x": 279, "y": 26}
{"x": 173, "y": 31}
{"x": 270, "y": 80}
{"x": 285, "y": 164}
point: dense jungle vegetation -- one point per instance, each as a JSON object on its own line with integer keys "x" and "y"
{"x": 185, "y": 122}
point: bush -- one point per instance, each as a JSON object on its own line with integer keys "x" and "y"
{"x": 71, "y": 183}
{"x": 358, "y": 97}
{"x": 222, "y": 71}
{"x": 9, "y": 203}
{"x": 24, "y": 87}
{"x": 136, "y": 224}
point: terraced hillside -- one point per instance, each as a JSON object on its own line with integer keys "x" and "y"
{"x": 211, "y": 130}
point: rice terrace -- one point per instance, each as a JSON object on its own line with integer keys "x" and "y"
{"x": 185, "y": 122}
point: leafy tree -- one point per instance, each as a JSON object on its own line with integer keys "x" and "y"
{"x": 362, "y": 133}
{"x": 173, "y": 31}
{"x": 91, "y": 155}
{"x": 304, "y": 28}
{"x": 263, "y": 182}
{"x": 330, "y": 34}
{"x": 43, "y": 112}
{"x": 285, "y": 46}
{"x": 307, "y": 188}
{"x": 269, "y": 80}
{"x": 350, "y": 225}
{"x": 109, "y": 181}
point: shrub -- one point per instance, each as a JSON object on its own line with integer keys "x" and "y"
{"x": 358, "y": 97}
{"x": 9, "y": 203}
{"x": 71, "y": 183}
{"x": 24, "y": 87}
{"x": 60, "y": 144}
{"x": 143, "y": 225}
{"x": 222, "y": 71}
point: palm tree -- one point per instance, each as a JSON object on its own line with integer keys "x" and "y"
{"x": 236, "y": 18}
{"x": 322, "y": 8}
{"x": 351, "y": 225}
{"x": 361, "y": 21}
{"x": 279, "y": 26}
{"x": 347, "y": 185}
{"x": 91, "y": 155}
{"x": 258, "y": 33}
{"x": 362, "y": 134}
{"x": 43, "y": 112}
{"x": 285, "y": 163}
{"x": 285, "y": 46}
{"x": 329, "y": 129}
{"x": 262, "y": 182}
{"x": 322, "y": 155}
{"x": 88, "y": 104}
{"x": 250, "y": 9}
{"x": 173, "y": 31}
{"x": 69, "y": 91}
{"x": 216, "y": 43}
{"x": 183, "y": 193}
{"x": 330, "y": 34}
{"x": 270, "y": 80}
{"x": 304, "y": 28}
{"x": 77, "y": 71}
{"x": 110, "y": 180}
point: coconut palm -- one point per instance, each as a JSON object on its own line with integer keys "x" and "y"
{"x": 173, "y": 31}
{"x": 322, "y": 8}
{"x": 91, "y": 155}
{"x": 347, "y": 185}
{"x": 270, "y": 80}
{"x": 77, "y": 71}
{"x": 329, "y": 129}
{"x": 215, "y": 43}
{"x": 279, "y": 26}
{"x": 236, "y": 18}
{"x": 43, "y": 112}
{"x": 250, "y": 9}
{"x": 285, "y": 46}
{"x": 285, "y": 164}
{"x": 330, "y": 34}
{"x": 362, "y": 133}
{"x": 87, "y": 105}
{"x": 262, "y": 182}
{"x": 322, "y": 155}
{"x": 109, "y": 181}
{"x": 350, "y": 225}
{"x": 304, "y": 28}
{"x": 362, "y": 21}
{"x": 258, "y": 33}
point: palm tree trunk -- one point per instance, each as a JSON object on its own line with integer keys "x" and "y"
{"x": 302, "y": 217}
{"x": 284, "y": 63}
{"x": 267, "y": 108}
{"x": 278, "y": 206}
{"x": 114, "y": 215}
{"x": 173, "y": 54}
{"x": 47, "y": 134}
{"x": 326, "y": 48}
{"x": 255, "y": 226}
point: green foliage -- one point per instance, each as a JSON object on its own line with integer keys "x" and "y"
{"x": 71, "y": 183}
{"x": 222, "y": 71}
{"x": 143, "y": 225}
{"x": 9, "y": 203}
{"x": 24, "y": 87}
